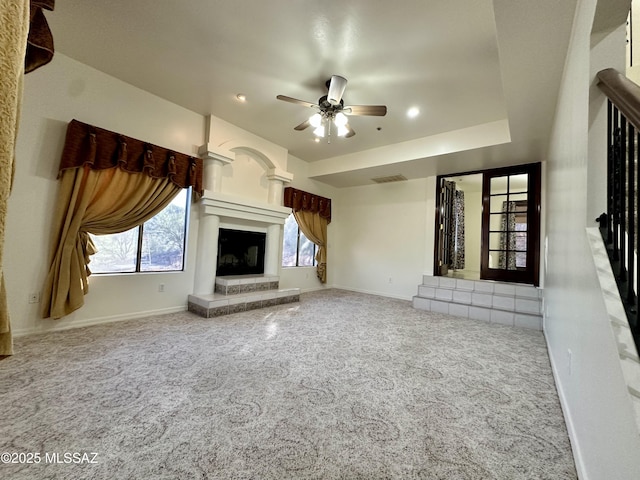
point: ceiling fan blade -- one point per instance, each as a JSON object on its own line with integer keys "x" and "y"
{"x": 351, "y": 131}
{"x": 336, "y": 89}
{"x": 373, "y": 110}
{"x": 302, "y": 126}
{"x": 296, "y": 101}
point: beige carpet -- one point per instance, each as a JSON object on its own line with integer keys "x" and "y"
{"x": 340, "y": 386}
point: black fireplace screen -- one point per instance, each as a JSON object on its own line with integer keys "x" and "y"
{"x": 240, "y": 252}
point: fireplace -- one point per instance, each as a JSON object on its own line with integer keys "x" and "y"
{"x": 240, "y": 252}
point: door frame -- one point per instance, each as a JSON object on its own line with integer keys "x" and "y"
{"x": 533, "y": 220}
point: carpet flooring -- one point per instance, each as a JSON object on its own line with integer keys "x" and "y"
{"x": 340, "y": 386}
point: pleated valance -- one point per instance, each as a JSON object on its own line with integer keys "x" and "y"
{"x": 100, "y": 149}
{"x": 300, "y": 200}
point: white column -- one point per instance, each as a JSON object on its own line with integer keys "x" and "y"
{"x": 208, "y": 229}
{"x": 205, "y": 276}
{"x": 277, "y": 179}
{"x": 272, "y": 250}
{"x": 213, "y": 163}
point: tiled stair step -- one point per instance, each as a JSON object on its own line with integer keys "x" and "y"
{"x": 505, "y": 303}
{"x": 241, "y": 293}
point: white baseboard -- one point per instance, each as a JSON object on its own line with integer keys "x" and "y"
{"x": 315, "y": 289}
{"x": 577, "y": 456}
{"x": 371, "y": 292}
{"x": 54, "y": 326}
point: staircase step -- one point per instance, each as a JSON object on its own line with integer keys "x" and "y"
{"x": 496, "y": 302}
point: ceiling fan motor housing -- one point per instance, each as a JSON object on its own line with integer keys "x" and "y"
{"x": 336, "y": 86}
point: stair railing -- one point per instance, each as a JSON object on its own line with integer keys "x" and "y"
{"x": 619, "y": 225}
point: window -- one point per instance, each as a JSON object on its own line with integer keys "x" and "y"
{"x": 155, "y": 246}
{"x": 297, "y": 250}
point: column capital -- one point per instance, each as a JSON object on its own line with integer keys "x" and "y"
{"x": 209, "y": 151}
{"x": 281, "y": 175}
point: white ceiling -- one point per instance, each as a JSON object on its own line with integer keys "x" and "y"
{"x": 465, "y": 64}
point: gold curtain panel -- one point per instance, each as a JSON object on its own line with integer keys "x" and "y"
{"x": 14, "y": 27}
{"x": 300, "y": 200}
{"x": 100, "y": 149}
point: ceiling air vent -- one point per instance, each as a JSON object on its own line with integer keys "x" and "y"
{"x": 390, "y": 178}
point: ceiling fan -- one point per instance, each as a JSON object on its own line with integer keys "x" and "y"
{"x": 331, "y": 109}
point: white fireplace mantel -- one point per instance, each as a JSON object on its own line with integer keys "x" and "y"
{"x": 217, "y": 208}
{"x": 229, "y": 207}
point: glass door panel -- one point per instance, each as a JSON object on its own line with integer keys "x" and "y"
{"x": 510, "y": 224}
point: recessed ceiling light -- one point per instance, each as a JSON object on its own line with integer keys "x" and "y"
{"x": 241, "y": 97}
{"x": 413, "y": 112}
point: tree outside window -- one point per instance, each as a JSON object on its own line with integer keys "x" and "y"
{"x": 297, "y": 250}
{"x": 158, "y": 245}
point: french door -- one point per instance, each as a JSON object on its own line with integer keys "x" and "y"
{"x": 509, "y": 235}
{"x": 511, "y": 224}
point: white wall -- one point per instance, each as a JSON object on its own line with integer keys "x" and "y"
{"x": 54, "y": 95}
{"x": 380, "y": 233}
{"x": 581, "y": 345}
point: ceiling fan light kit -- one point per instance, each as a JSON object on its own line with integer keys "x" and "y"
{"x": 315, "y": 120}
{"x": 331, "y": 109}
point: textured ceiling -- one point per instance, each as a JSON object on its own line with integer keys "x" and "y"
{"x": 462, "y": 63}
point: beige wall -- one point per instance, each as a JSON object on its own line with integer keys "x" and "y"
{"x": 381, "y": 237}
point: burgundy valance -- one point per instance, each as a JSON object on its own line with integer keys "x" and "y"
{"x": 40, "y": 40}
{"x": 99, "y": 149}
{"x": 308, "y": 202}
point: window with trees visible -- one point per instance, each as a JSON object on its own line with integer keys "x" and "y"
{"x": 157, "y": 245}
{"x": 297, "y": 250}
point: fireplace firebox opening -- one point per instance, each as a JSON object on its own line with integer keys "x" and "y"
{"x": 240, "y": 252}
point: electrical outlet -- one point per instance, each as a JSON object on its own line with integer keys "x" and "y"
{"x": 390, "y": 280}
{"x": 34, "y": 297}
{"x": 161, "y": 287}
{"x": 570, "y": 360}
